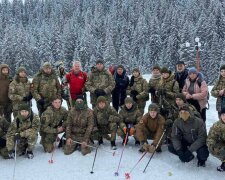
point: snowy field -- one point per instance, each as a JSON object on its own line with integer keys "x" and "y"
{"x": 75, "y": 166}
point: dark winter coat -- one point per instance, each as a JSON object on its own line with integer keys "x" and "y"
{"x": 193, "y": 131}
{"x": 180, "y": 77}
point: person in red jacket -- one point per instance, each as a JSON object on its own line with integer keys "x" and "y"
{"x": 75, "y": 80}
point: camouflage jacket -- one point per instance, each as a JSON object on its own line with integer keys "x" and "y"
{"x": 153, "y": 84}
{"x": 17, "y": 91}
{"x": 193, "y": 131}
{"x": 155, "y": 126}
{"x": 21, "y": 124}
{"x": 171, "y": 87}
{"x": 46, "y": 86}
{"x": 216, "y": 134}
{"x": 4, "y": 125}
{"x": 131, "y": 116}
{"x": 52, "y": 118}
{"x": 102, "y": 117}
{"x": 219, "y": 85}
{"x": 141, "y": 86}
{"x": 80, "y": 123}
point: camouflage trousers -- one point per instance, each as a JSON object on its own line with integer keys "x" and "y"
{"x": 141, "y": 106}
{"x": 218, "y": 150}
{"x": 69, "y": 149}
{"x": 6, "y": 110}
{"x": 104, "y": 131}
{"x": 3, "y": 150}
{"x": 47, "y": 141}
{"x": 25, "y": 143}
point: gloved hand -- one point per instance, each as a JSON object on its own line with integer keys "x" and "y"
{"x": 133, "y": 93}
{"x": 180, "y": 154}
{"x": 28, "y": 97}
{"x": 188, "y": 156}
{"x": 168, "y": 123}
{"x": 151, "y": 90}
{"x": 125, "y": 130}
{"x": 99, "y": 92}
{"x": 41, "y": 102}
{"x": 17, "y": 137}
{"x": 151, "y": 148}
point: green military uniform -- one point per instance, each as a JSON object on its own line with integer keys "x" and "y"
{"x": 80, "y": 123}
{"x": 45, "y": 87}
{"x": 20, "y": 91}
{"x": 100, "y": 80}
{"x": 51, "y": 119}
{"x": 106, "y": 120}
{"x": 140, "y": 86}
{"x": 27, "y": 128}
{"x": 128, "y": 117}
{"x": 4, "y": 125}
{"x": 216, "y": 140}
{"x": 5, "y": 103}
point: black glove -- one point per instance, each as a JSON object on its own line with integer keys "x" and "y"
{"x": 99, "y": 92}
{"x": 17, "y": 137}
{"x": 188, "y": 156}
{"x": 168, "y": 123}
{"x": 134, "y": 94}
{"x": 41, "y": 102}
{"x": 152, "y": 90}
{"x": 28, "y": 98}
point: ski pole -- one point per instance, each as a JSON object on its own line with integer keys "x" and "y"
{"x": 95, "y": 147}
{"x": 14, "y": 169}
{"x": 127, "y": 175}
{"x": 94, "y": 160}
{"x": 125, "y": 142}
{"x": 154, "y": 150}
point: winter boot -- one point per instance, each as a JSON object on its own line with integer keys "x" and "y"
{"x": 100, "y": 141}
{"x": 137, "y": 143}
{"x": 124, "y": 141}
{"x": 221, "y": 168}
{"x": 201, "y": 163}
{"x": 158, "y": 150}
{"x": 22, "y": 153}
{"x": 11, "y": 154}
{"x": 30, "y": 155}
{"x": 113, "y": 145}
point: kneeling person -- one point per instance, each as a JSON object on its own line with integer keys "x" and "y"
{"x": 79, "y": 127}
{"x": 53, "y": 122}
{"x": 216, "y": 140}
{"x": 151, "y": 126}
{"x": 189, "y": 135}
{"x": 24, "y": 132}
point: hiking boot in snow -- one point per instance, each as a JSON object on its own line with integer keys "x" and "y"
{"x": 113, "y": 145}
{"x": 100, "y": 141}
{"x": 221, "y": 168}
{"x": 201, "y": 163}
{"x": 12, "y": 154}
{"x": 137, "y": 143}
{"x": 30, "y": 155}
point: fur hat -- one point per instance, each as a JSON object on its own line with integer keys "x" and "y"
{"x": 80, "y": 96}
{"x": 20, "y": 69}
{"x": 100, "y": 61}
{"x": 46, "y": 65}
{"x": 222, "y": 67}
{"x": 181, "y": 96}
{"x": 192, "y": 70}
{"x": 101, "y": 99}
{"x": 153, "y": 107}
{"x": 165, "y": 70}
{"x": 156, "y": 67}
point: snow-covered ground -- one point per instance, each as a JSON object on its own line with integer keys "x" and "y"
{"x": 75, "y": 166}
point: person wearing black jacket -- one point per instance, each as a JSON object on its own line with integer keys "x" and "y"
{"x": 119, "y": 92}
{"x": 181, "y": 74}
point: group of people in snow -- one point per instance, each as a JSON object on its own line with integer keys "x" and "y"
{"x": 176, "y": 115}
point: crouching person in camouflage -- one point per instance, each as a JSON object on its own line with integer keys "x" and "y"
{"x": 79, "y": 127}
{"x": 189, "y": 135}
{"x": 129, "y": 117}
{"x": 23, "y": 133}
{"x": 216, "y": 140}
{"x": 4, "y": 125}
{"x": 53, "y": 122}
{"x": 151, "y": 126}
{"x": 106, "y": 119}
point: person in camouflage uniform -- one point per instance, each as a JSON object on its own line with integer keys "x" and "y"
{"x": 138, "y": 89}
{"x": 151, "y": 126}
{"x": 129, "y": 117}
{"x": 5, "y": 103}
{"x": 188, "y": 136}
{"x": 45, "y": 86}
{"x": 80, "y": 123}
{"x": 53, "y": 122}
{"x": 216, "y": 140}
{"x": 20, "y": 90}
{"x": 218, "y": 90}
{"x": 23, "y": 132}
{"x": 153, "y": 83}
{"x": 100, "y": 83}
{"x": 4, "y": 125}
{"x": 106, "y": 119}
